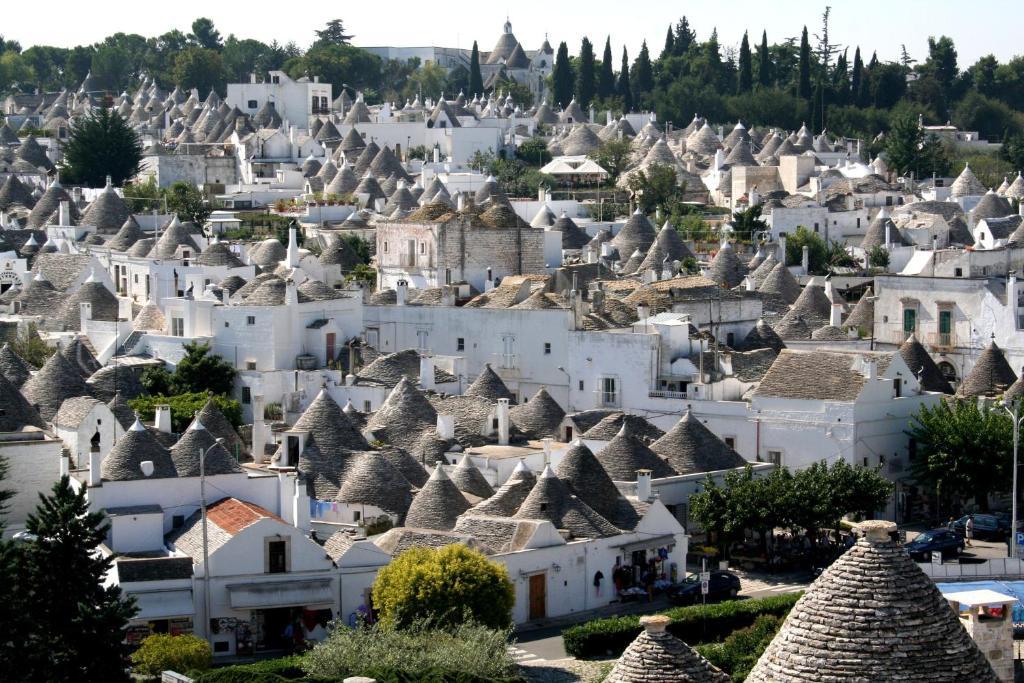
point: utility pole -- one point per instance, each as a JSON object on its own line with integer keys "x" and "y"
{"x": 206, "y": 549}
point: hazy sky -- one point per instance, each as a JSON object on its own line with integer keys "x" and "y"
{"x": 872, "y": 24}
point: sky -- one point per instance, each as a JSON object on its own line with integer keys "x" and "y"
{"x": 873, "y": 24}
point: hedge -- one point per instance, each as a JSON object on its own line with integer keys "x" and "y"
{"x": 290, "y": 668}
{"x": 693, "y": 624}
{"x": 738, "y": 653}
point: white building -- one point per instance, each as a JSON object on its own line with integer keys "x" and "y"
{"x": 294, "y": 101}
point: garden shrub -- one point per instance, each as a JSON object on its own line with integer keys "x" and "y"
{"x": 182, "y": 653}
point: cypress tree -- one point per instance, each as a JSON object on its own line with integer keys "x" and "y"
{"x": 804, "y": 73}
{"x": 476, "y": 80}
{"x": 561, "y": 77}
{"x": 746, "y": 67}
{"x": 606, "y": 77}
{"x": 624, "y": 89}
{"x": 856, "y": 77}
{"x": 643, "y": 75}
{"x": 77, "y": 624}
{"x": 585, "y": 75}
{"x": 764, "y": 62}
{"x": 684, "y": 37}
{"x": 670, "y": 39}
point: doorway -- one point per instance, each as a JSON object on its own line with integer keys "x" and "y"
{"x": 538, "y": 596}
{"x": 329, "y": 352}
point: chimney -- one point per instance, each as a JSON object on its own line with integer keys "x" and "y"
{"x": 935, "y": 242}
{"x": 870, "y": 368}
{"x": 401, "y": 292}
{"x": 446, "y": 427}
{"x": 259, "y": 428}
{"x": 597, "y": 301}
{"x": 291, "y": 293}
{"x": 643, "y": 485}
{"x": 642, "y": 311}
{"x": 836, "y": 318}
{"x": 990, "y": 625}
{"x": 606, "y": 249}
{"x": 293, "y": 248}
{"x": 503, "y": 420}
{"x": 300, "y": 505}
{"x": 163, "y": 418}
{"x": 546, "y": 443}
{"x": 460, "y": 201}
{"x": 95, "y": 462}
{"x": 252, "y": 76}
{"x": 84, "y": 314}
{"x": 64, "y": 215}
{"x": 426, "y": 372}
{"x": 448, "y": 296}
{"x": 888, "y": 234}
{"x": 748, "y": 284}
{"x": 805, "y": 260}
{"x": 1011, "y": 292}
{"x": 781, "y": 255}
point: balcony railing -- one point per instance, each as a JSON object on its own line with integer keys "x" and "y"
{"x": 942, "y": 340}
{"x": 659, "y": 393}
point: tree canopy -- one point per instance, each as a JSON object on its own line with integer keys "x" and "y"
{"x": 101, "y": 144}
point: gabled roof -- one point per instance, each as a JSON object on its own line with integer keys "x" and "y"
{"x": 226, "y": 518}
{"x": 819, "y": 375}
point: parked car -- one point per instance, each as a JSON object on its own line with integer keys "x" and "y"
{"x": 986, "y": 527}
{"x": 722, "y": 586}
{"x": 942, "y": 541}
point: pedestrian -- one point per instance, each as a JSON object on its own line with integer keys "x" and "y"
{"x": 951, "y": 524}
{"x": 598, "y": 578}
{"x": 969, "y": 530}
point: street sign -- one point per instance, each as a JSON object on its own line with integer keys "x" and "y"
{"x": 705, "y": 577}
{"x": 1020, "y": 538}
{"x": 704, "y": 587}
{"x": 936, "y": 557}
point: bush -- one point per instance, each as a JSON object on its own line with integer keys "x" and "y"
{"x": 464, "y": 654}
{"x": 184, "y": 407}
{"x": 161, "y": 652}
{"x": 267, "y": 671}
{"x": 445, "y": 587}
{"x": 738, "y": 653}
{"x": 696, "y": 624}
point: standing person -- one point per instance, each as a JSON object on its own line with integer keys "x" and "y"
{"x": 969, "y": 530}
{"x": 598, "y": 578}
{"x": 951, "y": 524}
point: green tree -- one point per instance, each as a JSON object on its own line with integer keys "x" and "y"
{"x": 162, "y": 652}
{"x": 10, "y": 614}
{"x": 642, "y": 76}
{"x": 856, "y": 77}
{"x": 111, "y": 67}
{"x": 562, "y": 77}
{"x": 101, "y": 144}
{"x": 685, "y": 37}
{"x": 585, "y": 74}
{"x": 623, "y": 88}
{"x": 533, "y": 152}
{"x": 200, "y": 370}
{"x": 185, "y": 406}
{"x": 764, "y": 62}
{"x": 188, "y": 202}
{"x": 655, "y": 187}
{"x": 804, "y": 68}
{"x": 31, "y": 347}
{"x": 243, "y": 57}
{"x": 613, "y": 156}
{"x": 817, "y": 251}
{"x": 746, "y": 66}
{"x": 990, "y": 117}
{"x": 670, "y": 39}
{"x": 963, "y": 450}
{"x": 878, "y": 257}
{"x": 337, "y": 64}
{"x": 199, "y": 68}
{"x": 77, "y": 622}
{"x": 933, "y": 158}
{"x": 941, "y": 63}
{"x": 476, "y": 80}
{"x": 445, "y": 587}
{"x": 606, "y": 74}
{"x": 748, "y": 223}
{"x": 903, "y": 144}
{"x": 333, "y": 34}
{"x": 205, "y": 35}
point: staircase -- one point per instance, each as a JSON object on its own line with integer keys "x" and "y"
{"x": 129, "y": 343}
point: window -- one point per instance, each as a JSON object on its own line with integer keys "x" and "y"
{"x": 858, "y": 222}
{"x": 385, "y": 247}
{"x": 277, "y": 557}
{"x": 730, "y": 441}
{"x": 775, "y": 458}
{"x": 730, "y": 339}
{"x": 221, "y": 645}
{"x": 177, "y": 521}
{"x": 447, "y": 276}
{"x": 421, "y": 340}
{"x": 136, "y": 278}
{"x": 246, "y": 395}
{"x": 355, "y": 516}
{"x": 888, "y": 200}
{"x": 250, "y": 320}
{"x": 909, "y": 320}
{"x": 912, "y": 449}
{"x": 253, "y": 104}
{"x": 460, "y": 344}
{"x": 897, "y": 387}
{"x": 609, "y": 396}
{"x": 423, "y": 247}
{"x": 250, "y": 365}
{"x": 366, "y": 406}
{"x": 508, "y": 355}
{"x": 581, "y": 385}
{"x": 177, "y": 327}
{"x": 227, "y": 324}
{"x": 958, "y": 272}
{"x": 547, "y": 348}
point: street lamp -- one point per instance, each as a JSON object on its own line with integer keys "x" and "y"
{"x": 1017, "y": 419}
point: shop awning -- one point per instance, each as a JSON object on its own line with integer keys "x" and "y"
{"x": 164, "y": 604}
{"x": 647, "y": 543}
{"x": 298, "y": 593}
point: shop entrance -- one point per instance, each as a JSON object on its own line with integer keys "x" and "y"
{"x": 538, "y": 596}
{"x": 274, "y": 623}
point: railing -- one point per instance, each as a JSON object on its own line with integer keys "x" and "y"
{"x": 658, "y": 393}
{"x": 942, "y": 340}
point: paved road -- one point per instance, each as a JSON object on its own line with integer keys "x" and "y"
{"x": 546, "y": 643}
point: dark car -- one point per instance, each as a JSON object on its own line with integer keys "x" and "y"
{"x": 986, "y": 527}
{"x": 935, "y": 541}
{"x": 722, "y": 586}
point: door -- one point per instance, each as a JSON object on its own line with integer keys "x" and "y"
{"x": 329, "y": 353}
{"x": 945, "y": 328}
{"x": 538, "y": 596}
{"x": 909, "y": 321}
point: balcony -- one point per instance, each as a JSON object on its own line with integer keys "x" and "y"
{"x": 942, "y": 341}
{"x": 657, "y": 393}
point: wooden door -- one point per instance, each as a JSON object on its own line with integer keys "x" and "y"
{"x": 538, "y": 596}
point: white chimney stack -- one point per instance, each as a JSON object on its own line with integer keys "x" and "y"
{"x": 503, "y": 421}
{"x": 805, "y": 260}
{"x": 643, "y": 485}
{"x": 836, "y": 318}
{"x": 163, "y": 418}
{"x": 446, "y": 427}
{"x": 95, "y": 462}
{"x": 781, "y": 255}
{"x": 401, "y": 292}
{"x": 426, "y": 372}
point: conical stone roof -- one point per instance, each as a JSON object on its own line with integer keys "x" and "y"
{"x": 17, "y": 411}
{"x": 587, "y": 479}
{"x": 573, "y": 236}
{"x": 924, "y": 368}
{"x": 862, "y": 317}
{"x": 137, "y": 445}
{"x": 373, "y": 480}
{"x": 488, "y": 385}
{"x": 690, "y": 447}
{"x": 551, "y": 500}
{"x": 873, "y": 615}
{"x": 471, "y": 480}
{"x": 123, "y": 413}
{"x": 509, "y": 496}
{"x": 626, "y": 453}
{"x": 658, "y": 656}
{"x": 80, "y": 357}
{"x": 780, "y": 285}
{"x": 726, "y": 268}
{"x": 56, "y": 381}
{"x": 990, "y": 376}
{"x": 216, "y": 459}
{"x": 107, "y": 212}
{"x": 13, "y": 191}
{"x": 539, "y": 417}
{"x": 126, "y": 236}
{"x": 638, "y": 234}
{"x": 762, "y": 336}
{"x": 438, "y": 504}
{"x": 12, "y": 366}
{"x": 966, "y": 184}
{"x": 403, "y": 417}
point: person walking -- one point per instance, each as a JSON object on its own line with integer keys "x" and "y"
{"x": 969, "y": 530}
